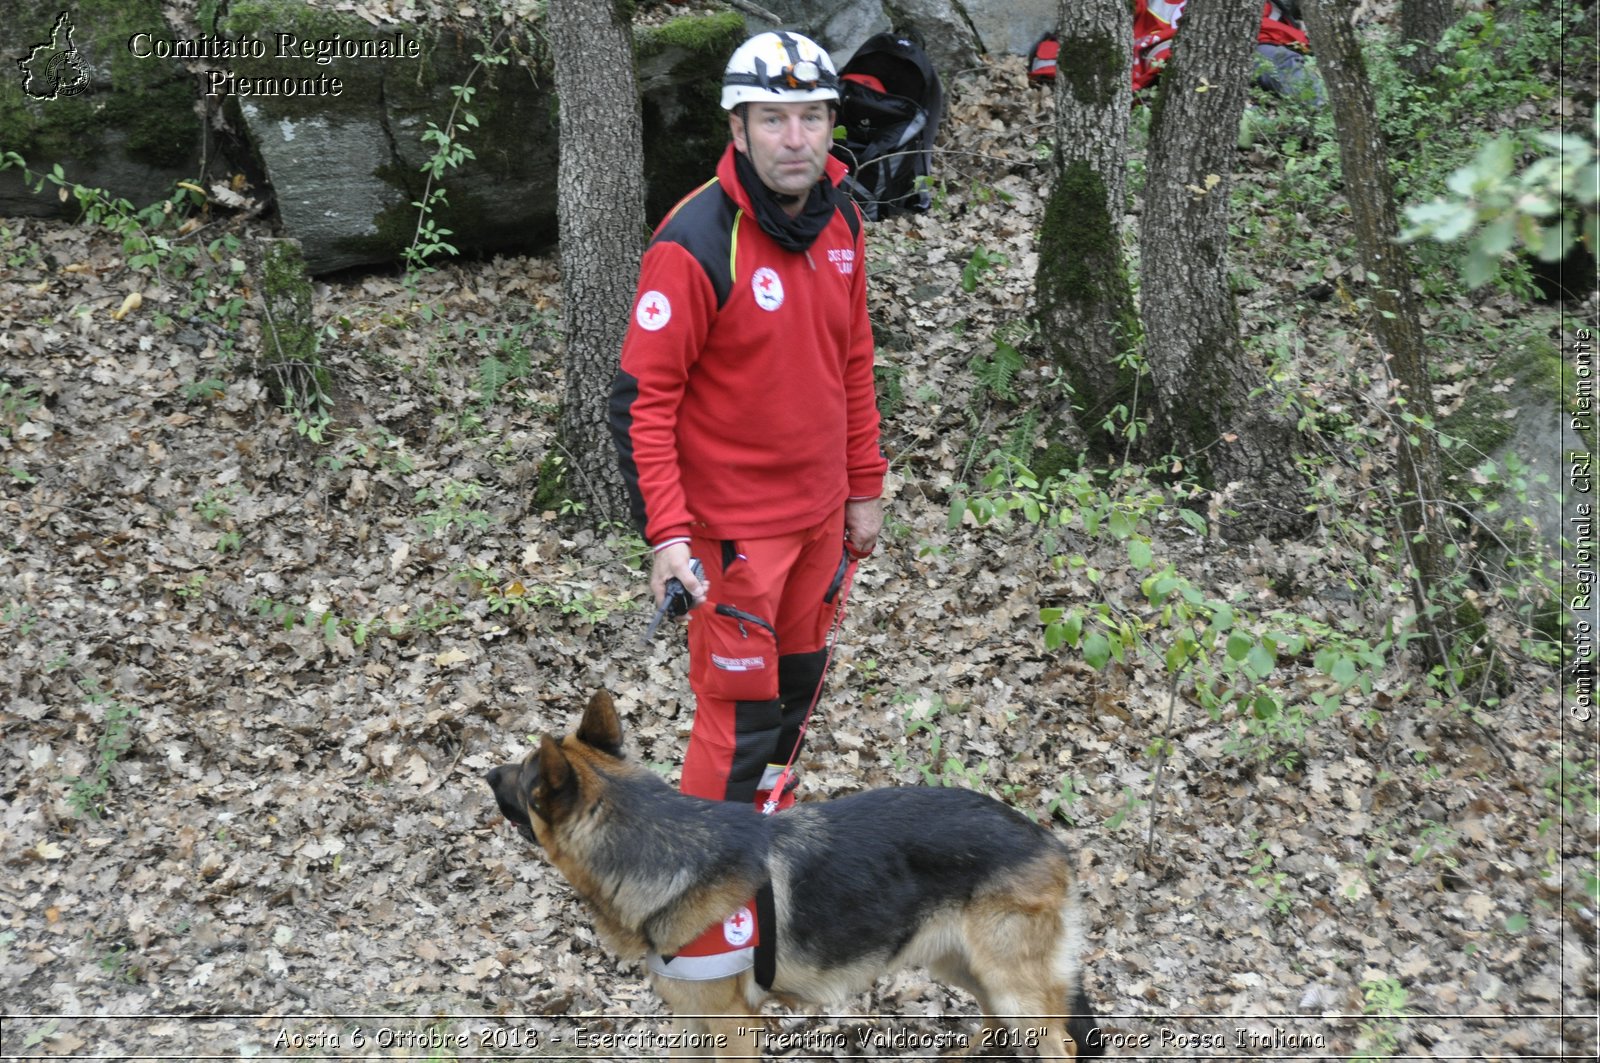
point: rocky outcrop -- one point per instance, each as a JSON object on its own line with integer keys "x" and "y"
{"x": 350, "y": 166}
{"x": 956, "y": 33}
{"x": 341, "y": 120}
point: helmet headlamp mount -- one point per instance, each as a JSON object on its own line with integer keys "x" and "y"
{"x": 779, "y": 67}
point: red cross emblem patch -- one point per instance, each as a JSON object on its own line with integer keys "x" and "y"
{"x": 768, "y": 288}
{"x": 653, "y": 311}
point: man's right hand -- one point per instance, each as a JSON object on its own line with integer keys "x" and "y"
{"x": 673, "y": 561}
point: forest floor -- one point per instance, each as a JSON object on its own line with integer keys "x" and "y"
{"x": 255, "y": 671}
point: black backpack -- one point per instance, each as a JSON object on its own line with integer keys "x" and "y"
{"x": 890, "y": 102}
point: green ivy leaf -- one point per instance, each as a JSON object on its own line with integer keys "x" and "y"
{"x": 1096, "y": 650}
{"x": 1259, "y": 662}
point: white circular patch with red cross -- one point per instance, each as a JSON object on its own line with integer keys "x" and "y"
{"x": 739, "y": 927}
{"x": 768, "y": 288}
{"x": 653, "y": 311}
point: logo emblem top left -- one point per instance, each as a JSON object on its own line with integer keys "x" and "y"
{"x": 55, "y": 68}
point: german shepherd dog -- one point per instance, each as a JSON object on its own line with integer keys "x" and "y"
{"x": 861, "y": 886}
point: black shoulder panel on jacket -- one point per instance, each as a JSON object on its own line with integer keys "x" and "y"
{"x": 703, "y": 226}
{"x": 847, "y": 206}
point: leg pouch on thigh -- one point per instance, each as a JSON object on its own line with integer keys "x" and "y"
{"x": 733, "y": 655}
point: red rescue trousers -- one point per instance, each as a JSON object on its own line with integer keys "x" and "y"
{"x": 757, "y": 650}
{"x": 757, "y": 653}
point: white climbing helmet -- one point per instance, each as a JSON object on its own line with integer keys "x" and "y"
{"x": 778, "y": 67}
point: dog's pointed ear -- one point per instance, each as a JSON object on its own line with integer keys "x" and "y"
{"x": 601, "y": 726}
{"x": 555, "y": 772}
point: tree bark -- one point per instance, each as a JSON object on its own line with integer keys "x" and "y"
{"x": 1236, "y": 444}
{"x": 1422, "y": 23}
{"x": 1396, "y": 324}
{"x": 600, "y": 207}
{"x": 1084, "y": 296}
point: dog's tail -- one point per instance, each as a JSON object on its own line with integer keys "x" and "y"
{"x": 1084, "y": 1027}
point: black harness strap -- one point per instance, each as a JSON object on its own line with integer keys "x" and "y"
{"x": 767, "y": 948}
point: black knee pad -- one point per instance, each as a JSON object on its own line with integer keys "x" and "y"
{"x": 799, "y": 677}
{"x": 756, "y": 728}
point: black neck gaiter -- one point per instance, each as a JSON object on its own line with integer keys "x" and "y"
{"x": 792, "y": 234}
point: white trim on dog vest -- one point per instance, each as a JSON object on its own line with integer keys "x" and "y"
{"x": 702, "y": 968}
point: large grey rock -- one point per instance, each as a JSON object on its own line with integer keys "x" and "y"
{"x": 349, "y": 169}
{"x": 346, "y": 169}
{"x": 947, "y": 32}
{"x": 838, "y": 25}
{"x": 1012, "y": 26}
{"x": 680, "y": 87}
{"x": 956, "y": 33}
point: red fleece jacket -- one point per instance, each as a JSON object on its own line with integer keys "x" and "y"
{"x": 745, "y": 403}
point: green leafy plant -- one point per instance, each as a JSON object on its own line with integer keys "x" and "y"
{"x": 1069, "y": 794}
{"x": 155, "y": 238}
{"x": 87, "y": 794}
{"x": 164, "y": 240}
{"x": 981, "y": 268}
{"x": 941, "y": 766}
{"x": 22, "y": 618}
{"x": 998, "y": 373}
{"x": 1231, "y": 656}
{"x": 428, "y": 240}
{"x": 1266, "y": 878}
{"x": 453, "y": 506}
{"x": 513, "y": 596}
{"x": 191, "y": 588}
{"x": 17, "y": 402}
{"x": 213, "y": 506}
{"x": 1384, "y": 1002}
{"x": 1493, "y": 208}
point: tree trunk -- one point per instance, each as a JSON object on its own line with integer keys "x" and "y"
{"x": 1232, "y": 438}
{"x": 1396, "y": 323}
{"x": 600, "y": 206}
{"x": 1422, "y": 23}
{"x": 1084, "y": 296}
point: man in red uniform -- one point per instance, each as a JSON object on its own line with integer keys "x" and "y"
{"x": 746, "y": 423}
{"x": 745, "y": 414}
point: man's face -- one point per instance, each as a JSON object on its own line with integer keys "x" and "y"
{"x": 787, "y": 143}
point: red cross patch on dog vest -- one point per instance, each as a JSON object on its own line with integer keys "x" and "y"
{"x": 727, "y": 948}
{"x": 721, "y": 950}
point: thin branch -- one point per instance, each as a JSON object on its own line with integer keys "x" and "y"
{"x": 757, "y": 10}
{"x": 1161, "y": 765}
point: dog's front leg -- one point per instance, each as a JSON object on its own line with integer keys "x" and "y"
{"x": 716, "y": 1015}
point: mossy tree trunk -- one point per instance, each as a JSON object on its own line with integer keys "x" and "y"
{"x": 600, "y": 207}
{"x": 1084, "y": 295}
{"x": 1219, "y": 411}
{"x": 1396, "y": 324}
{"x": 1422, "y": 24}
